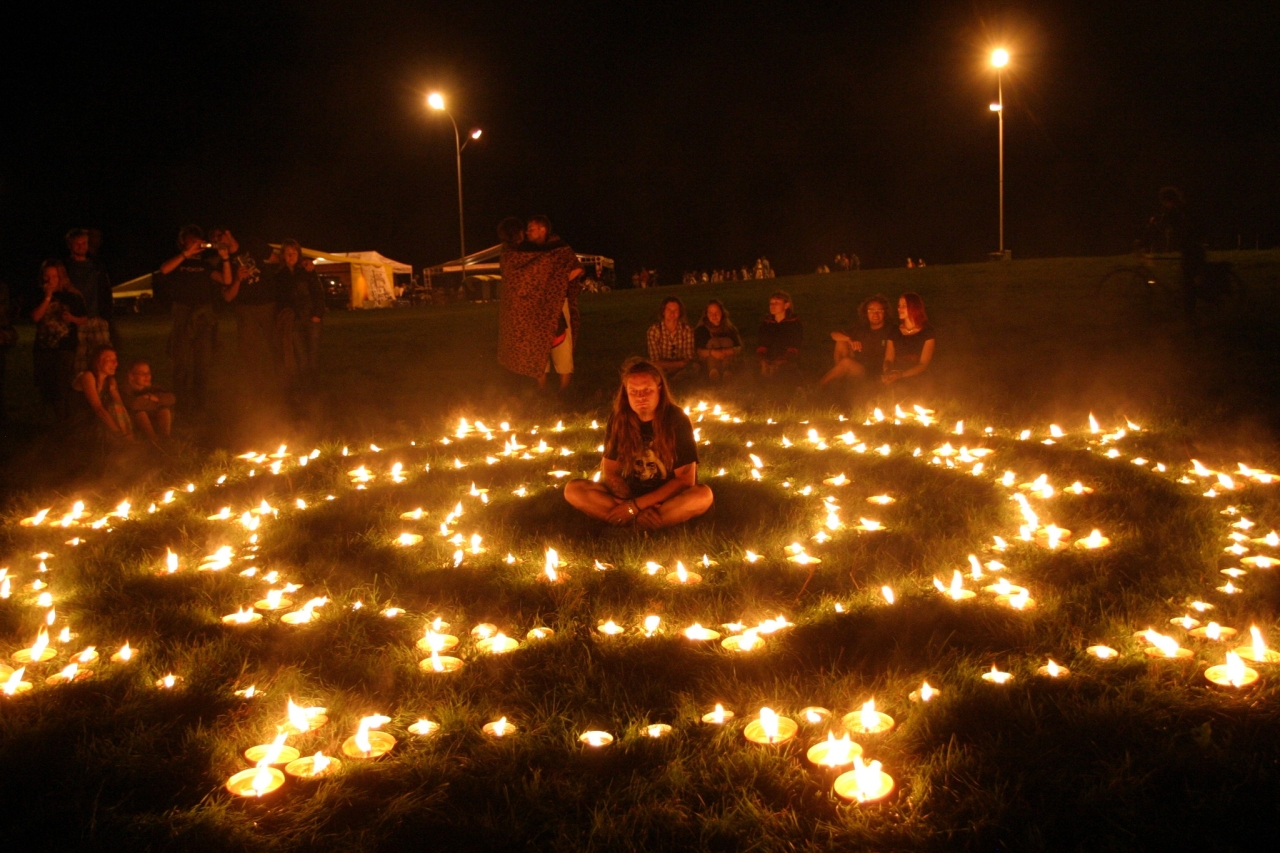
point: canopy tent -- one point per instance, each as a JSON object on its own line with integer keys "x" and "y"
{"x": 485, "y": 262}
{"x": 370, "y": 277}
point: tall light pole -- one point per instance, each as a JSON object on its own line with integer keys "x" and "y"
{"x": 999, "y": 59}
{"x": 436, "y": 101}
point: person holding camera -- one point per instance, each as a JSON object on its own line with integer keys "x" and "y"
{"x": 187, "y": 281}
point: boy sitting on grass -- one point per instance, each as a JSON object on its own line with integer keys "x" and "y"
{"x": 151, "y": 408}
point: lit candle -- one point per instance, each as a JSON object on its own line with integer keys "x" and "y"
{"x": 657, "y": 730}
{"x": 424, "y": 728}
{"x": 275, "y": 600}
{"x": 539, "y": 633}
{"x": 125, "y": 654}
{"x": 1213, "y": 632}
{"x": 1255, "y": 652}
{"x": 814, "y": 715}
{"x": 748, "y": 640}
{"x": 682, "y": 576}
{"x": 499, "y": 644}
{"x": 1163, "y": 647}
{"x": 276, "y": 752}
{"x": 865, "y": 783}
{"x": 13, "y": 684}
{"x": 698, "y": 633}
{"x": 596, "y": 738}
{"x": 255, "y": 782}
{"x": 1093, "y": 540}
{"x": 71, "y": 672}
{"x": 769, "y": 728}
{"x": 867, "y": 721}
{"x": 880, "y": 500}
{"x": 956, "y": 591}
{"x": 610, "y": 628}
{"x": 313, "y": 766}
{"x": 407, "y": 539}
{"x": 925, "y": 693}
{"x": 868, "y": 525}
{"x": 1231, "y": 674}
{"x": 38, "y": 652}
{"x": 300, "y": 720}
{"x": 1053, "y": 670}
{"x": 717, "y": 716}
{"x": 243, "y": 616}
{"x": 1103, "y": 652}
{"x": 368, "y": 743}
{"x": 832, "y": 752}
{"x": 499, "y": 728}
{"x": 996, "y": 676}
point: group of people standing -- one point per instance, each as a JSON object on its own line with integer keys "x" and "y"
{"x": 761, "y": 269}
{"x": 278, "y": 303}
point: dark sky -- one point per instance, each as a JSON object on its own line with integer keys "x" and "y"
{"x": 674, "y": 136}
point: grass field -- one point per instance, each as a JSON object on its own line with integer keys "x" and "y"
{"x": 1130, "y": 753}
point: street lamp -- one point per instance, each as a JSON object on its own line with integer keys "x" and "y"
{"x": 436, "y": 102}
{"x": 999, "y": 59}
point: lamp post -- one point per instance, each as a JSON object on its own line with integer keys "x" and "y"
{"x": 436, "y": 101}
{"x": 999, "y": 59}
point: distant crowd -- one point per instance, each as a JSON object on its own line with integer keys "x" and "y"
{"x": 761, "y": 270}
{"x": 276, "y": 298}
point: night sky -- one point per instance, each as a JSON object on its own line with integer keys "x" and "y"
{"x": 677, "y": 137}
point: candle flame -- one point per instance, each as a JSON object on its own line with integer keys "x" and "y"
{"x": 500, "y": 727}
{"x": 1259, "y": 646}
{"x": 373, "y": 721}
{"x": 11, "y": 686}
{"x": 866, "y": 777}
{"x": 887, "y": 592}
{"x": 868, "y": 718}
{"x": 1168, "y": 646}
{"x": 927, "y": 692}
{"x": 768, "y": 722}
{"x": 320, "y": 763}
{"x": 41, "y": 643}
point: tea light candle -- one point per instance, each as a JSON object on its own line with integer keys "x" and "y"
{"x": 700, "y": 634}
{"x": 1163, "y": 648}
{"x": 424, "y": 728}
{"x": 769, "y": 728}
{"x": 747, "y": 641}
{"x": 1018, "y": 600}
{"x": 499, "y": 644}
{"x": 275, "y": 600}
{"x": 868, "y": 525}
{"x": 440, "y": 663}
{"x": 1053, "y": 669}
{"x": 406, "y": 540}
{"x": 367, "y": 743}
{"x": 880, "y": 500}
{"x": 718, "y": 716}
{"x": 276, "y": 752}
{"x": 243, "y": 616}
{"x": 832, "y": 752}
{"x": 657, "y": 730}
{"x": 300, "y": 720}
{"x": 125, "y": 654}
{"x": 610, "y": 628}
{"x": 1213, "y": 632}
{"x": 1103, "y": 652}
{"x": 867, "y": 721}
{"x": 1186, "y": 623}
{"x": 956, "y": 591}
{"x": 996, "y": 676}
{"x": 313, "y": 766}
{"x": 865, "y": 783}
{"x": 1093, "y": 540}
{"x": 71, "y": 672}
{"x": 683, "y": 577}
{"x": 255, "y": 782}
{"x": 499, "y": 728}
{"x": 814, "y": 715}
{"x": 434, "y": 642}
{"x": 38, "y": 652}
{"x": 13, "y": 684}
{"x": 837, "y": 480}
{"x": 414, "y": 514}
{"x": 925, "y": 693}
{"x": 1231, "y": 674}
{"x": 539, "y": 633}
{"x": 1003, "y": 587}
{"x": 595, "y": 738}
{"x": 1256, "y": 652}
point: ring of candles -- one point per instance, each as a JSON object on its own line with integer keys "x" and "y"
{"x": 305, "y": 767}
{"x": 255, "y": 782}
{"x": 380, "y": 743}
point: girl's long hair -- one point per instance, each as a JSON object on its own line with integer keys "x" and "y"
{"x": 915, "y": 309}
{"x": 624, "y": 443}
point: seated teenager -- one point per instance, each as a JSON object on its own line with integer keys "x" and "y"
{"x": 102, "y": 397}
{"x": 780, "y": 336}
{"x": 859, "y": 352}
{"x": 717, "y": 342}
{"x": 649, "y": 474}
{"x": 671, "y": 338}
{"x": 911, "y": 345}
{"x": 150, "y": 407}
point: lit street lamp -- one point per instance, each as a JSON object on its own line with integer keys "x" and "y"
{"x": 436, "y": 101}
{"x": 999, "y": 59}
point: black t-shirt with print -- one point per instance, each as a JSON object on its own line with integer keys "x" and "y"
{"x": 255, "y": 286}
{"x": 191, "y": 283}
{"x": 648, "y": 472}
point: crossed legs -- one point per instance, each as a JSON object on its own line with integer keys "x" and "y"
{"x": 596, "y": 501}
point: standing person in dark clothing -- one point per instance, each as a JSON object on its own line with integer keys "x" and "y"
{"x": 186, "y": 281}
{"x": 88, "y": 275}
{"x": 780, "y": 336}
{"x": 252, "y": 296}
{"x": 300, "y": 305}
{"x": 58, "y": 318}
